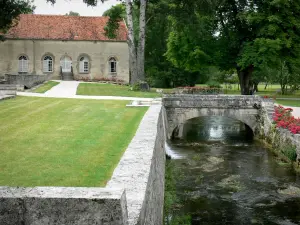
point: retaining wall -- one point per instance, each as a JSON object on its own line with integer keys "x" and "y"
{"x": 27, "y": 80}
{"x": 6, "y": 89}
{"x": 133, "y": 196}
{"x": 280, "y": 139}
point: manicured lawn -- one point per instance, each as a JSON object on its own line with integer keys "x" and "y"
{"x": 63, "y": 142}
{"x": 46, "y": 86}
{"x": 272, "y": 90}
{"x": 295, "y": 103}
{"x": 113, "y": 90}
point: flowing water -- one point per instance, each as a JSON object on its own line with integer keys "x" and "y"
{"x": 218, "y": 174}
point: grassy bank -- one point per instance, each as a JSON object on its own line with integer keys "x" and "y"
{"x": 63, "y": 142}
{"x": 46, "y": 87}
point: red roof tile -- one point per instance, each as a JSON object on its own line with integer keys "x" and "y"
{"x": 57, "y": 27}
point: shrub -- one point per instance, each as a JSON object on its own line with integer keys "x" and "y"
{"x": 283, "y": 118}
{"x": 290, "y": 152}
{"x": 199, "y": 90}
{"x": 140, "y": 86}
{"x": 213, "y": 84}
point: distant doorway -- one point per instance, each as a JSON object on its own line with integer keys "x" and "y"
{"x": 66, "y": 63}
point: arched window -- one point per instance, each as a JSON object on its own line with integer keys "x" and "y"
{"x": 47, "y": 64}
{"x": 84, "y": 64}
{"x": 112, "y": 65}
{"x": 23, "y": 64}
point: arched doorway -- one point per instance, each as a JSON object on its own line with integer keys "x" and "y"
{"x": 66, "y": 64}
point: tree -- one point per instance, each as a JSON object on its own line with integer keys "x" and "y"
{"x": 71, "y": 13}
{"x": 136, "y": 44}
{"x": 11, "y": 9}
{"x": 258, "y": 33}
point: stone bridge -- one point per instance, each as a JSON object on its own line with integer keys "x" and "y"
{"x": 247, "y": 109}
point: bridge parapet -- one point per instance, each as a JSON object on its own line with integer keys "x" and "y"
{"x": 181, "y": 107}
{"x": 213, "y": 101}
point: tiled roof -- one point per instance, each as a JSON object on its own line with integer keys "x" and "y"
{"x": 57, "y": 27}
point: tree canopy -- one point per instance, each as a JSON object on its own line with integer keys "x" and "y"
{"x": 11, "y": 9}
{"x": 71, "y": 13}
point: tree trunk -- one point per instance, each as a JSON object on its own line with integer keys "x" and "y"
{"x": 255, "y": 86}
{"x": 131, "y": 44}
{"x": 244, "y": 77}
{"x": 141, "y": 43}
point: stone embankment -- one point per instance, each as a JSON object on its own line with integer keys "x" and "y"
{"x": 282, "y": 140}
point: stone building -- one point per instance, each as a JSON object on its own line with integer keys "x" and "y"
{"x": 65, "y": 47}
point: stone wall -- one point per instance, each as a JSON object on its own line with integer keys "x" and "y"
{"x": 98, "y": 53}
{"x": 8, "y": 89}
{"x": 280, "y": 139}
{"x": 141, "y": 171}
{"x": 133, "y": 196}
{"x": 26, "y": 80}
{"x": 62, "y": 206}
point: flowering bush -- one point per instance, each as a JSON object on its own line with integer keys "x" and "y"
{"x": 283, "y": 118}
{"x": 199, "y": 90}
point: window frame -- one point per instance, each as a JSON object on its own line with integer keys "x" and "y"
{"x": 49, "y": 62}
{"x": 84, "y": 64}
{"x": 112, "y": 62}
{"x": 23, "y": 64}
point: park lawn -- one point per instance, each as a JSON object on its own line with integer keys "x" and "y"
{"x": 295, "y": 103}
{"x": 46, "y": 86}
{"x": 63, "y": 142}
{"x": 113, "y": 90}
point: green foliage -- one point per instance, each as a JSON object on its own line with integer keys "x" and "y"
{"x": 172, "y": 203}
{"x": 11, "y": 9}
{"x": 71, "y": 13}
{"x": 290, "y": 152}
{"x": 213, "y": 84}
{"x": 116, "y": 14}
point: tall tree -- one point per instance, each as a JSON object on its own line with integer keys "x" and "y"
{"x": 258, "y": 33}
{"x": 136, "y": 47}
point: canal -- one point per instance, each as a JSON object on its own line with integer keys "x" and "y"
{"x": 218, "y": 174}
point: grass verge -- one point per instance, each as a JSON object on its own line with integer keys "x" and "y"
{"x": 295, "y": 103}
{"x": 46, "y": 87}
{"x": 63, "y": 142}
{"x": 113, "y": 90}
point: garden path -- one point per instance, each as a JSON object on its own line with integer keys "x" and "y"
{"x": 67, "y": 89}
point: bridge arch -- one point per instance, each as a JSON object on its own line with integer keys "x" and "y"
{"x": 180, "y": 117}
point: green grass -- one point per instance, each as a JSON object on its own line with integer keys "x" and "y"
{"x": 46, "y": 87}
{"x": 63, "y": 142}
{"x": 272, "y": 90}
{"x": 295, "y": 103}
{"x": 113, "y": 90}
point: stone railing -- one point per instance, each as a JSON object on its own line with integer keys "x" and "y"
{"x": 211, "y": 101}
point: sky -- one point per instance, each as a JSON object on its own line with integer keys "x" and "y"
{"x": 62, "y": 7}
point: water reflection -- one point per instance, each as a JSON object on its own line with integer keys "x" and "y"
{"x": 219, "y": 175}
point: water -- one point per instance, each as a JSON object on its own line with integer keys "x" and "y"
{"x": 219, "y": 175}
